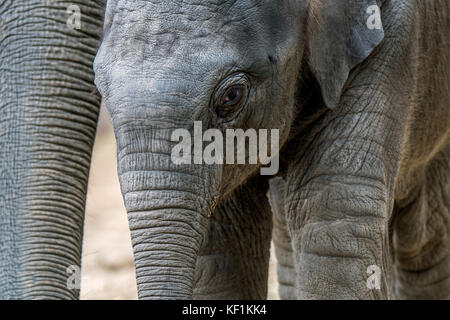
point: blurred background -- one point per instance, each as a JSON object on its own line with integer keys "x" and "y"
{"x": 107, "y": 262}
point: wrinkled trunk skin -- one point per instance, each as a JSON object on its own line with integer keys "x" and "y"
{"x": 167, "y": 207}
{"x": 47, "y": 127}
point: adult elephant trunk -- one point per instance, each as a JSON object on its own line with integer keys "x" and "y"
{"x": 48, "y": 118}
{"x": 168, "y": 208}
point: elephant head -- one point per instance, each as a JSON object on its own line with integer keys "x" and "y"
{"x": 164, "y": 65}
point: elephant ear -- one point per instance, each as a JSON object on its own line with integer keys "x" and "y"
{"x": 342, "y": 34}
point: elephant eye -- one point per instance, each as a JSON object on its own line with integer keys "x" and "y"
{"x": 232, "y": 98}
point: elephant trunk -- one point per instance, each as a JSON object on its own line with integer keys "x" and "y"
{"x": 48, "y": 119}
{"x": 167, "y": 210}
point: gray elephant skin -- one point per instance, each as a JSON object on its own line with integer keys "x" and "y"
{"x": 362, "y": 104}
{"x": 48, "y": 118}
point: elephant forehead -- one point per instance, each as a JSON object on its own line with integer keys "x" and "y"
{"x": 152, "y": 30}
{"x": 200, "y": 41}
{"x": 186, "y": 17}
{"x": 166, "y": 22}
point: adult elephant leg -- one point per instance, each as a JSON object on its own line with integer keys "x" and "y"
{"x": 234, "y": 257}
{"x": 48, "y": 119}
{"x": 340, "y": 192}
{"x": 282, "y": 241}
{"x": 422, "y": 233}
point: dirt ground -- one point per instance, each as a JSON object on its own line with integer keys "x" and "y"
{"x": 107, "y": 260}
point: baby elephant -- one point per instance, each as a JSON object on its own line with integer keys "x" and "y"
{"x": 338, "y": 110}
{"x": 359, "y": 93}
